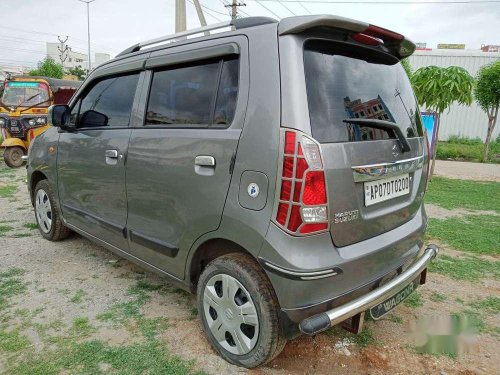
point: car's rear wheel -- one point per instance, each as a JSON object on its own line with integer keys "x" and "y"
{"x": 13, "y": 156}
{"x": 239, "y": 311}
{"x": 47, "y": 213}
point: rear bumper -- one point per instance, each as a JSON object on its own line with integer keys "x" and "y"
{"x": 327, "y": 319}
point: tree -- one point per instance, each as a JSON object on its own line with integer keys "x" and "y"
{"x": 487, "y": 95}
{"x": 438, "y": 88}
{"x": 48, "y": 68}
{"x": 78, "y": 72}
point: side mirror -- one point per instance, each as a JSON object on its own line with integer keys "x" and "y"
{"x": 59, "y": 116}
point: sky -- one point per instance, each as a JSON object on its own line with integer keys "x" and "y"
{"x": 117, "y": 24}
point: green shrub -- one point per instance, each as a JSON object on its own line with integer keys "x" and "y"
{"x": 467, "y": 149}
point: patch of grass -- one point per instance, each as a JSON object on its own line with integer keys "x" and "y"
{"x": 474, "y": 234}
{"x": 91, "y": 356}
{"x": 362, "y": 339}
{"x": 395, "y": 318}
{"x": 452, "y": 193}
{"x": 466, "y": 268}
{"x": 131, "y": 309}
{"x": 151, "y": 327}
{"x": 81, "y": 326}
{"x": 438, "y": 297}
{"x": 143, "y": 286}
{"x": 31, "y": 226}
{"x": 414, "y": 300}
{"x": 78, "y": 296}
{"x": 490, "y": 304}
{"x": 459, "y": 148}
{"x": 13, "y": 341}
{"x": 7, "y": 191}
{"x": 4, "y": 229}
{"x": 11, "y": 284}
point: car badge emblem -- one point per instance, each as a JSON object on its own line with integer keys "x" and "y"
{"x": 395, "y": 152}
{"x": 253, "y": 190}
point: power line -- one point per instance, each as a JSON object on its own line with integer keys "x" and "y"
{"x": 397, "y": 2}
{"x": 28, "y": 31}
{"x": 307, "y": 10}
{"x": 266, "y": 8}
{"x": 284, "y": 6}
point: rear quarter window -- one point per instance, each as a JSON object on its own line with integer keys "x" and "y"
{"x": 346, "y": 82}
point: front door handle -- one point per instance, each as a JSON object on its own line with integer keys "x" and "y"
{"x": 112, "y": 157}
{"x": 204, "y": 161}
{"x": 204, "y": 165}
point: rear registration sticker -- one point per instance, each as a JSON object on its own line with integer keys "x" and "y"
{"x": 387, "y": 188}
{"x": 383, "y": 308}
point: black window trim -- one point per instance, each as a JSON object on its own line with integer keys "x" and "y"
{"x": 221, "y": 59}
{"x": 91, "y": 85}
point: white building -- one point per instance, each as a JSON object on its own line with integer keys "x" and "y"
{"x": 74, "y": 58}
{"x": 463, "y": 121}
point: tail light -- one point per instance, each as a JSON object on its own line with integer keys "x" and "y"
{"x": 301, "y": 188}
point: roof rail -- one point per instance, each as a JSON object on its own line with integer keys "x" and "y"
{"x": 239, "y": 23}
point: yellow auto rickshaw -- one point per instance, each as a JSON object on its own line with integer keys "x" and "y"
{"x": 23, "y": 111}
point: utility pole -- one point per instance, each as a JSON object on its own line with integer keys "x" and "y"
{"x": 63, "y": 49}
{"x": 201, "y": 16}
{"x": 88, "y": 28}
{"x": 234, "y": 8}
{"x": 180, "y": 15}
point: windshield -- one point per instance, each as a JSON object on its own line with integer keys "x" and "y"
{"x": 346, "y": 82}
{"x": 25, "y": 94}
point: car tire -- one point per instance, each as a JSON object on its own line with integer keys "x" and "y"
{"x": 250, "y": 298}
{"x": 13, "y": 156}
{"x": 47, "y": 215}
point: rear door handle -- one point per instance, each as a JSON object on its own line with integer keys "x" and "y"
{"x": 204, "y": 161}
{"x": 112, "y": 157}
{"x": 112, "y": 154}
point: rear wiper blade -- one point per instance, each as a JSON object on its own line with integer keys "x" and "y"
{"x": 382, "y": 124}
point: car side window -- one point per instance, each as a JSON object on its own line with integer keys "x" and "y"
{"x": 192, "y": 96}
{"x": 108, "y": 103}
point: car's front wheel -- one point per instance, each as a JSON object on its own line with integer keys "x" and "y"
{"x": 239, "y": 311}
{"x": 47, "y": 214}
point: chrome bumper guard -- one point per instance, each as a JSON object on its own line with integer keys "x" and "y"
{"x": 321, "y": 322}
{"x": 24, "y": 158}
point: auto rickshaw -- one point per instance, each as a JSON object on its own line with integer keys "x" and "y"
{"x": 23, "y": 111}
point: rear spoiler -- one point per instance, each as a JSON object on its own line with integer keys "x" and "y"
{"x": 395, "y": 44}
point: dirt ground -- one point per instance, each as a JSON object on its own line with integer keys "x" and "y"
{"x": 467, "y": 170}
{"x": 58, "y": 272}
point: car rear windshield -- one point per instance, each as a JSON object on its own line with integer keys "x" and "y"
{"x": 345, "y": 81}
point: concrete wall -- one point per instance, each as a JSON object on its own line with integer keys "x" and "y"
{"x": 463, "y": 121}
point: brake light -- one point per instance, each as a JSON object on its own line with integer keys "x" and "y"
{"x": 379, "y": 32}
{"x": 366, "y": 39}
{"x": 302, "y": 194}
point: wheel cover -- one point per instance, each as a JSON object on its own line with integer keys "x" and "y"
{"x": 43, "y": 211}
{"x": 230, "y": 314}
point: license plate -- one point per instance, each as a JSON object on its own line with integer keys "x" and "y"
{"x": 383, "y": 308}
{"x": 14, "y": 128}
{"x": 387, "y": 188}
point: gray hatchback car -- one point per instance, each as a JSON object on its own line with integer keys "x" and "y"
{"x": 277, "y": 169}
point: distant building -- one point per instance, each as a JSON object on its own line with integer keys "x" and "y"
{"x": 75, "y": 59}
{"x": 471, "y": 122}
{"x": 490, "y": 48}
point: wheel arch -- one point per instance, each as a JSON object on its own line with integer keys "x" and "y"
{"x": 36, "y": 177}
{"x": 208, "y": 251}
